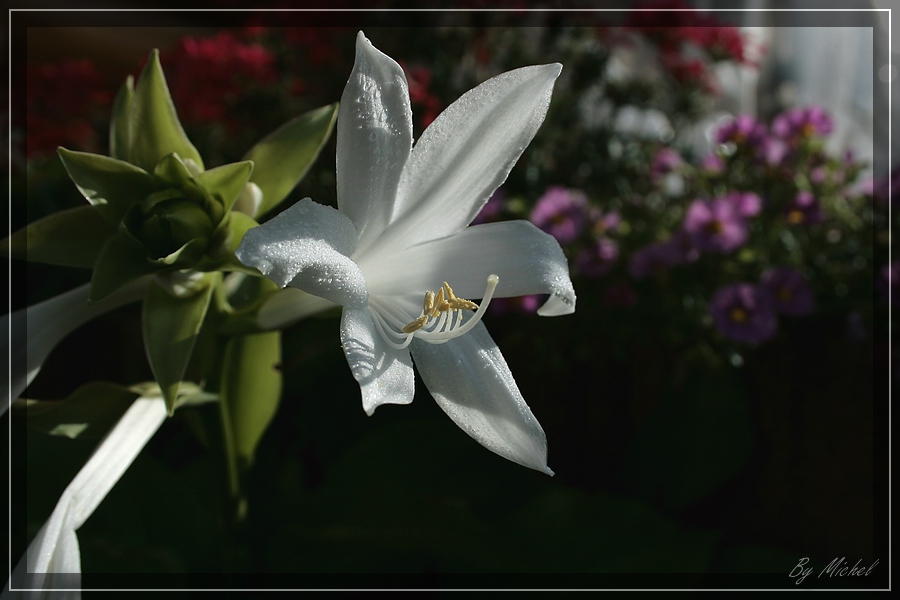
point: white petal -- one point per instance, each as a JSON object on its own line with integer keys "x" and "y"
{"x": 55, "y": 548}
{"x": 471, "y": 381}
{"x": 467, "y": 152}
{"x": 374, "y": 137}
{"x": 385, "y": 375}
{"x": 35, "y": 331}
{"x": 527, "y": 260}
{"x": 308, "y": 246}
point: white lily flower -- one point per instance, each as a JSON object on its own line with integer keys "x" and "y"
{"x": 34, "y": 331}
{"x": 51, "y": 567}
{"x": 402, "y": 230}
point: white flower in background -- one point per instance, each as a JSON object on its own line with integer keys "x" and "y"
{"x": 34, "y": 331}
{"x": 401, "y": 239}
{"x": 53, "y": 555}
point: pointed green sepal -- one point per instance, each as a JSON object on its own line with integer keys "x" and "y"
{"x": 225, "y": 240}
{"x": 171, "y": 324}
{"x": 155, "y": 128}
{"x": 188, "y": 254}
{"x": 226, "y": 183}
{"x": 284, "y": 156}
{"x": 69, "y": 238}
{"x": 121, "y": 260}
{"x": 112, "y": 186}
{"x": 88, "y": 412}
{"x": 120, "y": 122}
{"x": 172, "y": 170}
{"x": 251, "y": 388}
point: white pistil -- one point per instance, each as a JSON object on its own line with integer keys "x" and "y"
{"x": 440, "y": 321}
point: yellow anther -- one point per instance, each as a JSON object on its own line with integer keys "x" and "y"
{"x": 415, "y": 325}
{"x": 428, "y": 305}
{"x": 440, "y": 304}
{"x": 450, "y": 294}
{"x": 463, "y": 304}
{"x": 458, "y": 303}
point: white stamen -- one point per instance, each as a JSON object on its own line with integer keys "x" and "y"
{"x": 456, "y": 329}
{"x": 435, "y": 326}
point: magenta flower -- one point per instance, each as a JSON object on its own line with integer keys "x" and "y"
{"x": 774, "y": 151}
{"x": 804, "y": 209}
{"x": 713, "y": 164}
{"x": 715, "y": 225}
{"x": 661, "y": 256}
{"x": 747, "y": 204}
{"x": 526, "y": 305}
{"x": 788, "y": 291}
{"x": 743, "y": 313}
{"x": 603, "y": 223}
{"x": 743, "y": 129}
{"x": 802, "y": 122}
{"x": 598, "y": 258}
{"x": 665, "y": 161}
{"x": 562, "y": 213}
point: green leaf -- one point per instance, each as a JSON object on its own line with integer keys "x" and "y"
{"x": 226, "y": 182}
{"x": 89, "y": 412}
{"x": 155, "y": 128}
{"x": 109, "y": 184}
{"x": 171, "y": 325}
{"x": 122, "y": 259}
{"x": 284, "y": 156}
{"x": 70, "y": 238}
{"x": 251, "y": 388}
{"x": 120, "y": 122}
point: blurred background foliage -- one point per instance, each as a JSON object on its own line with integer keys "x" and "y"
{"x": 699, "y": 418}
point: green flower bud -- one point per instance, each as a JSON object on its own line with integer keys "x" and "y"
{"x": 167, "y": 220}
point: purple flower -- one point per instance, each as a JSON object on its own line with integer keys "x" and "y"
{"x": 747, "y": 204}
{"x": 562, "y": 213}
{"x": 713, "y": 164}
{"x": 598, "y": 258}
{"x": 527, "y": 305}
{"x": 654, "y": 258}
{"x": 603, "y": 223}
{"x": 818, "y": 175}
{"x": 492, "y": 210}
{"x": 665, "y": 161}
{"x": 743, "y": 312}
{"x": 802, "y": 122}
{"x": 788, "y": 291}
{"x": 804, "y": 209}
{"x": 774, "y": 151}
{"x": 743, "y": 129}
{"x": 715, "y": 225}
